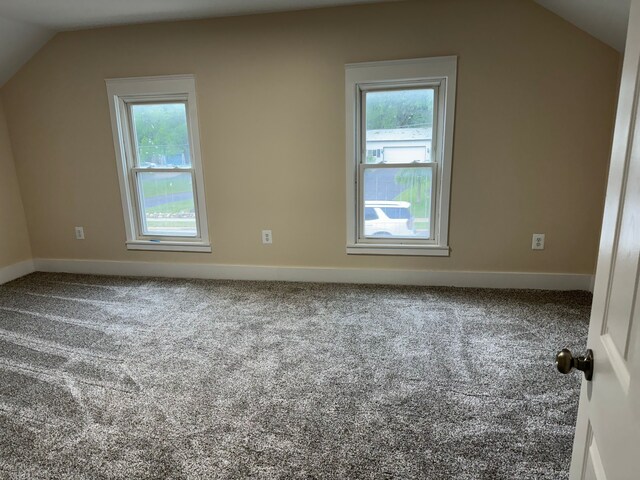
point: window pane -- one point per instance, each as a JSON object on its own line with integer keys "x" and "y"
{"x": 370, "y": 214}
{"x": 162, "y": 138}
{"x": 168, "y": 206}
{"x": 399, "y": 126}
{"x": 401, "y": 200}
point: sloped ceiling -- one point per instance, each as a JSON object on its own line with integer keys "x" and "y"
{"x": 18, "y": 42}
{"x": 26, "y": 25}
{"x": 74, "y": 14}
{"x": 604, "y": 19}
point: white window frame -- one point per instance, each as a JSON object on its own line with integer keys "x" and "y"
{"x": 124, "y": 92}
{"x": 438, "y": 73}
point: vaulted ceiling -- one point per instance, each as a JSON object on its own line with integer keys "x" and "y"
{"x": 604, "y": 19}
{"x": 26, "y": 25}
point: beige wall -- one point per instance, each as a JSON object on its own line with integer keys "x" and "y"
{"x": 535, "y": 108}
{"x": 14, "y": 239}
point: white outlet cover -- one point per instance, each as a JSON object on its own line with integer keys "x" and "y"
{"x": 79, "y": 233}
{"x": 537, "y": 241}
{"x": 267, "y": 237}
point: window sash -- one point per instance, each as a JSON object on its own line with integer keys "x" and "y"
{"x": 363, "y": 89}
{"x": 135, "y": 160}
{"x": 360, "y": 205}
{"x": 435, "y": 155}
{"x": 134, "y": 169}
{"x": 141, "y": 222}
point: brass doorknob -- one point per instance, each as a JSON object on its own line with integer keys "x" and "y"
{"x": 565, "y": 361}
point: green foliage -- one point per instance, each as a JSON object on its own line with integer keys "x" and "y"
{"x": 161, "y": 131}
{"x": 418, "y": 191}
{"x": 399, "y": 109}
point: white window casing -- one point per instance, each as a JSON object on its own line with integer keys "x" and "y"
{"x": 123, "y": 93}
{"x": 437, "y": 74}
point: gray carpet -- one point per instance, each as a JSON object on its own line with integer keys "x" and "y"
{"x": 108, "y": 377}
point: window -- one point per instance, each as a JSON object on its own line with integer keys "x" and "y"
{"x": 399, "y": 151}
{"x": 155, "y": 130}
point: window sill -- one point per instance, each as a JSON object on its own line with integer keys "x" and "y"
{"x": 409, "y": 250}
{"x": 169, "y": 246}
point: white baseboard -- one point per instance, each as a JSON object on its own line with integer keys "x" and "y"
{"x": 546, "y": 281}
{"x": 17, "y": 270}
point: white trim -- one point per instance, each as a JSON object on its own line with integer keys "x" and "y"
{"x": 408, "y": 62}
{"x": 16, "y": 270}
{"x": 412, "y": 250}
{"x": 120, "y": 92}
{"x": 127, "y": 81}
{"x": 360, "y": 77}
{"x": 545, "y": 281}
{"x": 165, "y": 246}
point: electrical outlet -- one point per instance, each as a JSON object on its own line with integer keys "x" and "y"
{"x": 267, "y": 238}
{"x": 537, "y": 243}
{"x": 79, "y": 233}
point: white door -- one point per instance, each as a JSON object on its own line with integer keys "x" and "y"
{"x": 607, "y": 443}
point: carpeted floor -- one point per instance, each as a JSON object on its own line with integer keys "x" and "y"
{"x": 105, "y": 377}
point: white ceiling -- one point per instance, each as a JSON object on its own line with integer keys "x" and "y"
{"x": 604, "y": 19}
{"x": 26, "y": 25}
{"x": 74, "y": 14}
{"x": 18, "y": 42}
